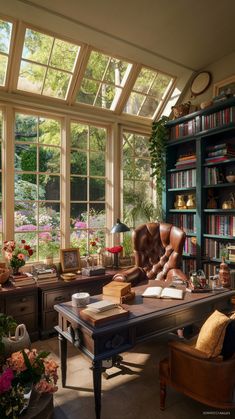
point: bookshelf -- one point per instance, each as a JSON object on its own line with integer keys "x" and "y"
{"x": 200, "y": 156}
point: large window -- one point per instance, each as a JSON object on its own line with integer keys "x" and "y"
{"x": 37, "y": 183}
{"x": 47, "y": 65}
{"x": 138, "y": 188}
{"x": 88, "y": 187}
{"x": 5, "y": 40}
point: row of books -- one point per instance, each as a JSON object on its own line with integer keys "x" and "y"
{"x": 215, "y": 249}
{"x": 39, "y": 277}
{"x": 190, "y": 247}
{"x": 213, "y": 176}
{"x": 184, "y": 179}
{"x": 189, "y": 265}
{"x": 203, "y": 122}
{"x": 186, "y": 222}
{"x": 223, "y": 225}
{"x": 220, "y": 152}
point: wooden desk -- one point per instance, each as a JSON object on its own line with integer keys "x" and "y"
{"x": 148, "y": 319}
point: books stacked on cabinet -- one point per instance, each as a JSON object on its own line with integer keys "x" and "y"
{"x": 45, "y": 275}
{"x": 23, "y": 279}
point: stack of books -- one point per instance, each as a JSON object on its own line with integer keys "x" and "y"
{"x": 118, "y": 292}
{"x": 46, "y": 276}
{"x": 102, "y": 312}
{"x": 220, "y": 152}
{"x": 23, "y": 279}
{"x": 185, "y": 160}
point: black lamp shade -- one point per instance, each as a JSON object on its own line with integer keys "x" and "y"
{"x": 119, "y": 227}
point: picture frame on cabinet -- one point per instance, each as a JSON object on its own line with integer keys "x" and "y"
{"x": 70, "y": 260}
{"x": 226, "y": 86}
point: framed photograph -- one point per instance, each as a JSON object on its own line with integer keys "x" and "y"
{"x": 226, "y": 86}
{"x": 70, "y": 260}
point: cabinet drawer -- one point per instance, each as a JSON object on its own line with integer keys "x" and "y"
{"x": 50, "y": 320}
{"x": 30, "y": 321}
{"x": 2, "y": 308}
{"x": 21, "y": 305}
{"x": 52, "y": 298}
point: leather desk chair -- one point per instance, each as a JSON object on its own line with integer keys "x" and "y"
{"x": 209, "y": 381}
{"x": 158, "y": 251}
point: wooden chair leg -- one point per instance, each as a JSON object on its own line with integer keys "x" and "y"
{"x": 162, "y": 395}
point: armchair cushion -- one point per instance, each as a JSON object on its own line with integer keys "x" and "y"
{"x": 211, "y": 337}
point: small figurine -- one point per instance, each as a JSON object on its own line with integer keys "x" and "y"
{"x": 224, "y": 274}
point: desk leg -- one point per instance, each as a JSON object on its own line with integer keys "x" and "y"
{"x": 97, "y": 369}
{"x": 63, "y": 357}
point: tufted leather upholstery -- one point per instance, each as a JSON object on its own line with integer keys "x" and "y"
{"x": 158, "y": 251}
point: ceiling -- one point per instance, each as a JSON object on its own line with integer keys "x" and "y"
{"x": 190, "y": 33}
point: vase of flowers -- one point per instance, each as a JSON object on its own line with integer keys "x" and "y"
{"x": 22, "y": 372}
{"x": 17, "y": 254}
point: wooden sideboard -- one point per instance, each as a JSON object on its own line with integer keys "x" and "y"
{"x": 22, "y": 304}
{"x": 34, "y": 305}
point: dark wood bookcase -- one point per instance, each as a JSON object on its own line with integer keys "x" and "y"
{"x": 209, "y": 231}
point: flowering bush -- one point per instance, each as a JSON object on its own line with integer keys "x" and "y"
{"x": 21, "y": 369}
{"x": 17, "y": 254}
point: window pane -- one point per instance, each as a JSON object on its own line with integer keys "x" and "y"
{"x": 97, "y": 164}
{"x": 49, "y": 244}
{"x": 96, "y": 65}
{"x": 87, "y": 92}
{"x": 49, "y": 216}
{"x": 159, "y": 86}
{"x": 78, "y": 215}
{"x": 25, "y": 216}
{"x": 49, "y": 159}
{"x": 144, "y": 80}
{"x": 3, "y": 69}
{"x": 134, "y": 103}
{"x": 78, "y": 163}
{"x": 26, "y": 128}
{"x": 26, "y": 187}
{"x": 105, "y": 96}
{"x": 149, "y": 107}
{"x": 97, "y": 139}
{"x": 56, "y": 84}
{"x": 116, "y": 71}
{"x": 49, "y": 131}
{"x": 37, "y": 46}
{"x": 79, "y": 135}
{"x": 49, "y": 187}
{"x": 78, "y": 189}
{"x": 31, "y": 240}
{"x": 64, "y": 55}
{"x": 97, "y": 215}
{"x": 5, "y": 36}
{"x": 26, "y": 157}
{"x": 97, "y": 189}
{"x": 31, "y": 77}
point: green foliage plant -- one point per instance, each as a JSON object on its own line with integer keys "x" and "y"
{"x": 157, "y": 151}
{"x": 7, "y": 326}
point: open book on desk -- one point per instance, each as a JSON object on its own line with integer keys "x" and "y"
{"x": 159, "y": 292}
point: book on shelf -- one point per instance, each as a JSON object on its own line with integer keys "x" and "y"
{"x": 101, "y": 318}
{"x": 222, "y": 152}
{"x": 216, "y": 147}
{"x": 159, "y": 292}
{"x": 216, "y": 159}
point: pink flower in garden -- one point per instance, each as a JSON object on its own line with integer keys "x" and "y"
{"x": 80, "y": 224}
{"x": 5, "y": 380}
{"x": 21, "y": 256}
{"x": 45, "y": 235}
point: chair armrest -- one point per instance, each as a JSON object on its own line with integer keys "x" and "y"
{"x": 188, "y": 348}
{"x": 133, "y": 275}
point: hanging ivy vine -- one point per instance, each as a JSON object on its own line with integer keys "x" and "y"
{"x": 157, "y": 151}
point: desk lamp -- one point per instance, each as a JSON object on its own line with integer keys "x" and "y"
{"x": 118, "y": 228}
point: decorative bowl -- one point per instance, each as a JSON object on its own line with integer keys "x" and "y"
{"x": 230, "y": 178}
{"x": 4, "y": 275}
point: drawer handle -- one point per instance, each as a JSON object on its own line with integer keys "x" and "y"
{"x": 23, "y": 300}
{"x": 22, "y": 309}
{"x": 60, "y": 298}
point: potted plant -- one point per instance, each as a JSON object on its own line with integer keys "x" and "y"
{"x": 157, "y": 151}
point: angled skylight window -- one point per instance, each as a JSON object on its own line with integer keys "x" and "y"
{"x": 148, "y": 93}
{"x": 5, "y": 41}
{"x": 104, "y": 79}
{"x": 47, "y": 65}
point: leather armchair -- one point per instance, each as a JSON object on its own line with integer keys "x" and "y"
{"x": 158, "y": 251}
{"x": 209, "y": 381}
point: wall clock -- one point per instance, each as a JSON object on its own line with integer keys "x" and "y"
{"x": 200, "y": 82}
